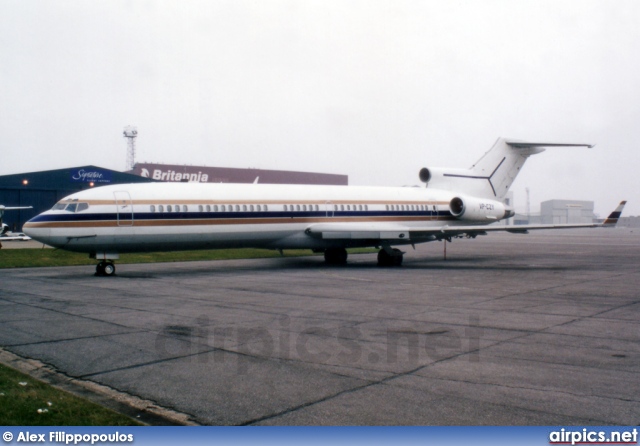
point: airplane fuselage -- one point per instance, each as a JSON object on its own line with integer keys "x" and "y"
{"x": 163, "y": 216}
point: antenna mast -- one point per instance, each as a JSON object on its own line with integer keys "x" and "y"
{"x": 131, "y": 133}
{"x": 528, "y": 206}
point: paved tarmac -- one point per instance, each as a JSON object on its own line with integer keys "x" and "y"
{"x": 538, "y": 329}
{"x": 19, "y": 244}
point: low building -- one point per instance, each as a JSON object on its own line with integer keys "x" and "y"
{"x": 629, "y": 222}
{"x": 566, "y": 211}
{"x": 204, "y": 174}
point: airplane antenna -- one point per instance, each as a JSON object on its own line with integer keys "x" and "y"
{"x": 528, "y": 206}
{"x": 131, "y": 134}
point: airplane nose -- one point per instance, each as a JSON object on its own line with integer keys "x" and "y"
{"x": 37, "y": 233}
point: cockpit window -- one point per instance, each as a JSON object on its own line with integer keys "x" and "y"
{"x": 71, "y": 207}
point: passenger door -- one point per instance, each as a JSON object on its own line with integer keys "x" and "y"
{"x": 124, "y": 208}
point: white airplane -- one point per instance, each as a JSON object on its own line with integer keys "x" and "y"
{"x": 143, "y": 217}
{"x": 5, "y": 234}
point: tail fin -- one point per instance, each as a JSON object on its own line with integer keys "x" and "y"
{"x": 493, "y": 174}
{"x": 613, "y": 217}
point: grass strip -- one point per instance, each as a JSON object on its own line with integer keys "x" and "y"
{"x": 25, "y": 401}
{"x": 27, "y": 258}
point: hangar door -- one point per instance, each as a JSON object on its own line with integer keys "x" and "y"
{"x": 124, "y": 208}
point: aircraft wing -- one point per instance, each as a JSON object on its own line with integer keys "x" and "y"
{"x": 386, "y": 232}
{"x": 395, "y": 232}
{"x": 11, "y": 238}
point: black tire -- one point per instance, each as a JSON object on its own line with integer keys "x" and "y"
{"x": 386, "y": 259}
{"x": 109, "y": 269}
{"x": 335, "y": 256}
{"x": 396, "y": 260}
{"x": 105, "y": 269}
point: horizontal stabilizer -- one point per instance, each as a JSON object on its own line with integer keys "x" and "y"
{"x": 494, "y": 173}
{"x": 527, "y": 145}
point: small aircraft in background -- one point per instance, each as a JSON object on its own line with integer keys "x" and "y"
{"x": 14, "y": 237}
{"x": 144, "y": 217}
{"x": 5, "y": 234}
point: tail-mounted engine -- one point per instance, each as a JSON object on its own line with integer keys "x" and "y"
{"x": 425, "y": 175}
{"x": 478, "y": 209}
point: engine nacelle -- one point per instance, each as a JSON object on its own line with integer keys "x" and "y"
{"x": 444, "y": 178}
{"x": 425, "y": 175}
{"x": 478, "y": 209}
{"x": 435, "y": 174}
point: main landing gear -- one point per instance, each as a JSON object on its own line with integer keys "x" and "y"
{"x": 390, "y": 257}
{"x": 335, "y": 256}
{"x": 386, "y": 256}
{"x": 105, "y": 268}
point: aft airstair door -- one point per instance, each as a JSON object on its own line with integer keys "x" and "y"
{"x": 329, "y": 209}
{"x": 124, "y": 208}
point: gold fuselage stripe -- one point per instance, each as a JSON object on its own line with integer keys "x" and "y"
{"x": 123, "y": 222}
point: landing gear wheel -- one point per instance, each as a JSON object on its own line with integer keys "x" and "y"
{"x": 335, "y": 256}
{"x": 105, "y": 269}
{"x": 386, "y": 259}
{"x": 109, "y": 269}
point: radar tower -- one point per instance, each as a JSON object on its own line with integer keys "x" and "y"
{"x": 131, "y": 134}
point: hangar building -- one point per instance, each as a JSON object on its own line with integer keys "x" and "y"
{"x": 203, "y": 174}
{"x": 566, "y": 211}
{"x": 43, "y": 189}
{"x": 559, "y": 212}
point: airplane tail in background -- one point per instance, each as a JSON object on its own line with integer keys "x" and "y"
{"x": 493, "y": 174}
{"x": 612, "y": 219}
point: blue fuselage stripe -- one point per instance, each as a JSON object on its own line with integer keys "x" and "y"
{"x": 70, "y": 217}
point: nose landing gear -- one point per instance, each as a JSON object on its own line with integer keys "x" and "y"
{"x": 105, "y": 268}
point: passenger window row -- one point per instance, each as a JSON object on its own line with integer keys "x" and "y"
{"x": 211, "y": 208}
{"x": 410, "y": 207}
{"x": 287, "y": 208}
{"x": 351, "y": 207}
{"x": 335, "y": 207}
{"x": 170, "y": 208}
{"x": 301, "y": 207}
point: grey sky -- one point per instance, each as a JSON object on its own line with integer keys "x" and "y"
{"x": 372, "y": 89}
